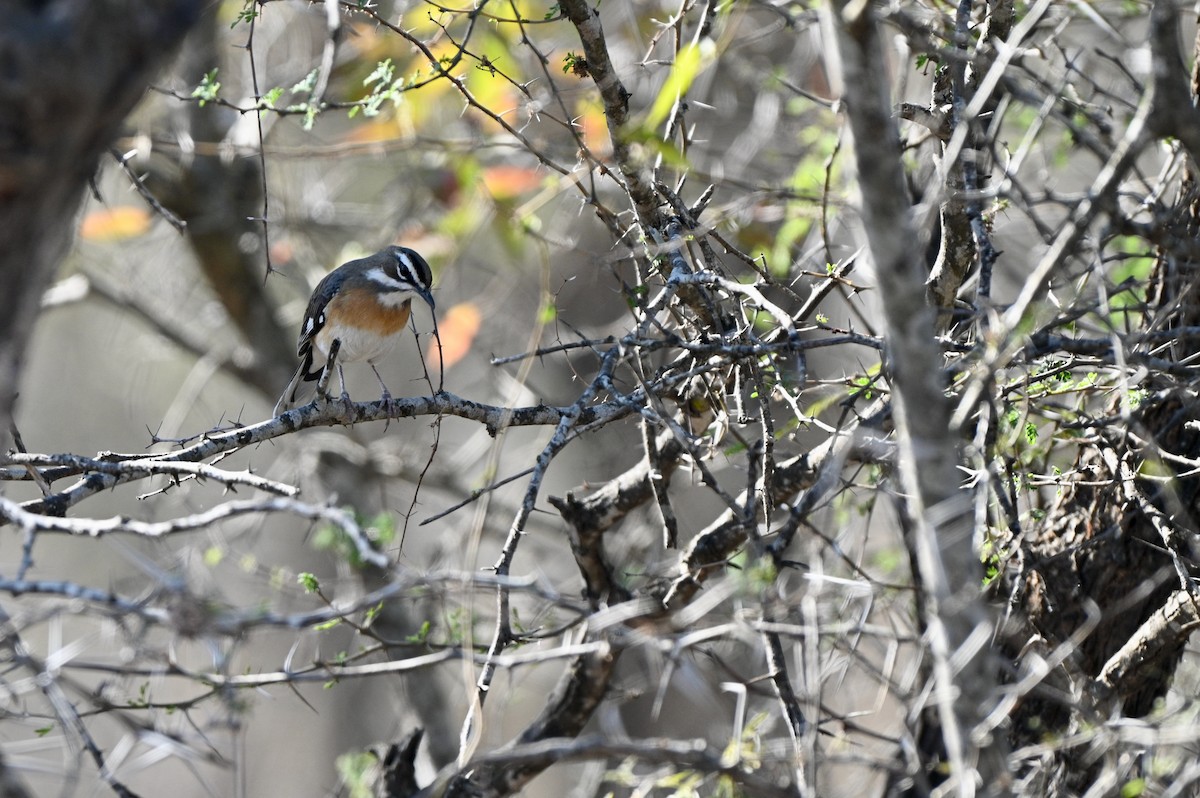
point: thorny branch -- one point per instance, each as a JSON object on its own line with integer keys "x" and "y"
{"x": 600, "y": 68}
{"x": 707, "y": 552}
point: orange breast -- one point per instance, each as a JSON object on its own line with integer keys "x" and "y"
{"x": 359, "y": 309}
{"x": 366, "y": 329}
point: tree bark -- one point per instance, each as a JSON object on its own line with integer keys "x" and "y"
{"x": 70, "y": 72}
{"x": 938, "y": 512}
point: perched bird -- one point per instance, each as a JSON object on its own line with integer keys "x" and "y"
{"x": 359, "y": 310}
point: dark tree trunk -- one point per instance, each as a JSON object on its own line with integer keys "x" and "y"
{"x": 70, "y": 71}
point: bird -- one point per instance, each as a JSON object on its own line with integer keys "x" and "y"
{"x": 358, "y": 312}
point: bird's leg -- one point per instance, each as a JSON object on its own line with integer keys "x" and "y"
{"x": 327, "y": 370}
{"x": 387, "y": 395}
{"x": 386, "y": 399}
{"x": 347, "y": 402}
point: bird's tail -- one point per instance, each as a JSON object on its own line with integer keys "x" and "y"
{"x": 288, "y": 400}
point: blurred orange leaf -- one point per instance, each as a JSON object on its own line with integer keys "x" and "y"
{"x": 458, "y": 329}
{"x": 506, "y": 182}
{"x": 373, "y": 132}
{"x": 594, "y": 126}
{"x": 115, "y": 224}
{"x": 282, "y": 251}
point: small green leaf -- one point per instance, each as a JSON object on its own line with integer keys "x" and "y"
{"x": 307, "y": 85}
{"x": 1133, "y": 788}
{"x": 309, "y": 582}
{"x": 688, "y": 64}
{"x": 358, "y": 770}
{"x": 209, "y": 86}
{"x": 421, "y": 635}
{"x": 383, "y": 73}
{"x": 671, "y": 155}
{"x": 248, "y": 14}
{"x": 382, "y": 529}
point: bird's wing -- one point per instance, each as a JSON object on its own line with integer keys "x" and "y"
{"x": 314, "y": 315}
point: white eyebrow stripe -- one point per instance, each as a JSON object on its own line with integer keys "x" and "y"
{"x": 381, "y": 277}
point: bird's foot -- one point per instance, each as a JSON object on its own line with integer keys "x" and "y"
{"x": 348, "y": 404}
{"x": 386, "y": 403}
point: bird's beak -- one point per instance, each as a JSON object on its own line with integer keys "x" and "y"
{"x": 428, "y": 297}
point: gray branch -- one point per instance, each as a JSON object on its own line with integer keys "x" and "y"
{"x": 946, "y": 565}
{"x": 12, "y": 513}
{"x": 317, "y": 414}
{"x": 615, "y": 97}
